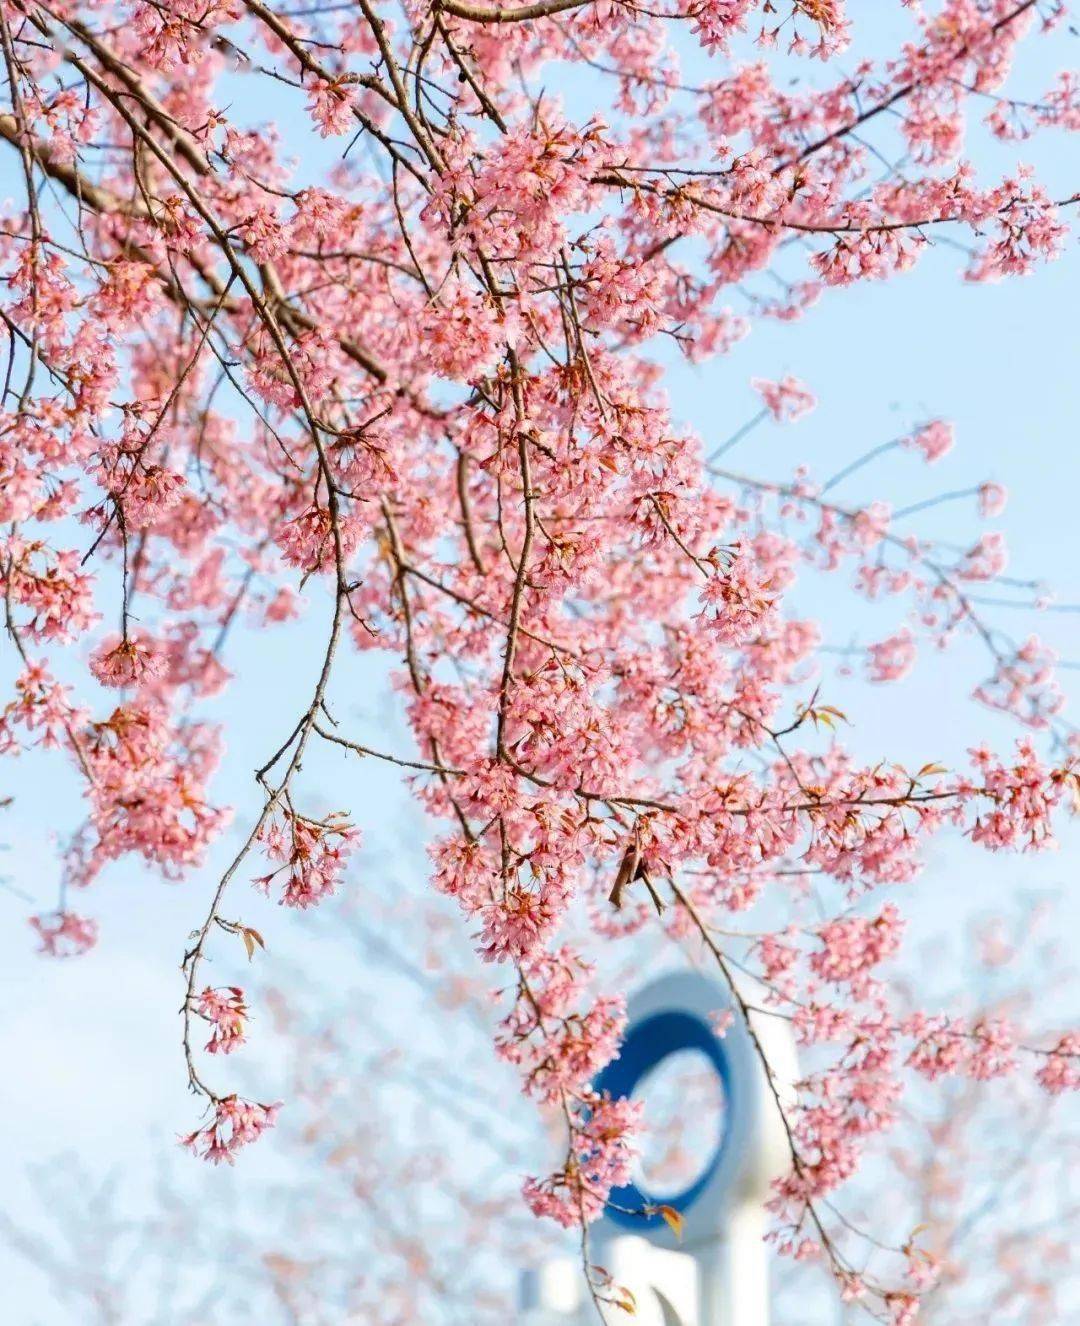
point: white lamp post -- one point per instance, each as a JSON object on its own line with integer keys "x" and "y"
{"x": 716, "y": 1274}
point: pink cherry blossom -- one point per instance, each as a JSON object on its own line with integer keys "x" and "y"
{"x": 226, "y": 1012}
{"x": 992, "y": 499}
{"x": 235, "y": 1124}
{"x": 736, "y": 603}
{"x": 892, "y": 659}
{"x": 786, "y": 400}
{"x": 933, "y": 440}
{"x": 130, "y": 662}
{"x": 65, "y": 934}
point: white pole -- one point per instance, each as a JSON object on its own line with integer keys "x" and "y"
{"x": 718, "y": 1274}
{"x": 734, "y": 1272}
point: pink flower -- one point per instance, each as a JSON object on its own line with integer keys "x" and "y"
{"x": 852, "y": 947}
{"x": 235, "y": 1124}
{"x": 50, "y": 588}
{"x": 987, "y": 559}
{"x": 721, "y": 1021}
{"x": 559, "y": 1047}
{"x": 129, "y": 662}
{"x": 1025, "y": 684}
{"x": 1019, "y": 801}
{"x": 64, "y": 934}
{"x": 331, "y": 107}
{"x": 226, "y": 1011}
{"x": 736, "y": 602}
{"x": 309, "y": 543}
{"x": 934, "y": 440}
{"x": 786, "y": 400}
{"x": 516, "y": 924}
{"x": 1061, "y": 1068}
{"x": 310, "y": 854}
{"x": 149, "y": 494}
{"x": 715, "y": 22}
{"x": 464, "y": 335}
{"x": 992, "y": 499}
{"x": 602, "y": 1153}
{"x": 903, "y": 1309}
{"x": 893, "y": 658}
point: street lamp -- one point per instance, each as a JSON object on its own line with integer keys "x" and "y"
{"x": 714, "y": 1272}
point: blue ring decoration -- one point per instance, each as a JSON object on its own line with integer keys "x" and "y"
{"x": 648, "y": 1043}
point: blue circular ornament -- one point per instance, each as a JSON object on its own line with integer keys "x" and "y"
{"x": 671, "y": 1016}
{"x": 648, "y": 1043}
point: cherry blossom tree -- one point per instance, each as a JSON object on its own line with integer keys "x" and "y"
{"x": 413, "y": 388}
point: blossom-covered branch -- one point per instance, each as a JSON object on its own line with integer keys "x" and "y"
{"x": 416, "y": 372}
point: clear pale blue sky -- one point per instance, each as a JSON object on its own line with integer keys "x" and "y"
{"x": 90, "y": 1048}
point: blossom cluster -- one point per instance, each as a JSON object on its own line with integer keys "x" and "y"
{"x": 227, "y": 1013}
{"x": 235, "y": 1124}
